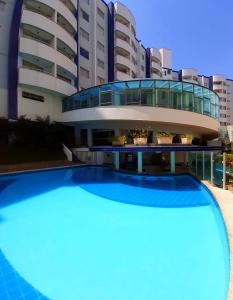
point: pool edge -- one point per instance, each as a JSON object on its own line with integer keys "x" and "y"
{"x": 224, "y": 200}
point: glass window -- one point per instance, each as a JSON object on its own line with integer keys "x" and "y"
{"x": 85, "y": 15}
{"x": 85, "y": 73}
{"x": 84, "y": 34}
{"x": 132, "y": 92}
{"x": 84, "y": 99}
{"x": 100, "y": 29}
{"x": 106, "y": 94}
{"x": 176, "y": 94}
{"x": 84, "y": 53}
{"x": 147, "y": 84}
{"x": 119, "y": 95}
{"x": 148, "y": 92}
{"x": 212, "y": 110}
{"x": 206, "y": 106}
{"x": 162, "y": 93}
{"x": 187, "y": 98}
{"x": 100, "y": 63}
{"x": 94, "y": 97}
{"x": 100, "y": 12}
{"x": 100, "y": 46}
{"x": 198, "y": 97}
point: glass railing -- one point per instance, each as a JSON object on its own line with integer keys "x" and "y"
{"x": 155, "y": 93}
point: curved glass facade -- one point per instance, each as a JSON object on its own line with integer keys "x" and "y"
{"x": 156, "y": 93}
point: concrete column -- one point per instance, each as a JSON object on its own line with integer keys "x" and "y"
{"x": 203, "y": 164}
{"x": 212, "y": 168}
{"x": 77, "y": 136}
{"x": 224, "y": 171}
{"x": 116, "y": 160}
{"x": 172, "y": 162}
{"x": 139, "y": 162}
{"x": 196, "y": 163}
{"x": 89, "y": 137}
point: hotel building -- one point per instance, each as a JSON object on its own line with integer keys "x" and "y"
{"x": 80, "y": 62}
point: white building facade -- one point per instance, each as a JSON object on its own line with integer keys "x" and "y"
{"x": 53, "y": 49}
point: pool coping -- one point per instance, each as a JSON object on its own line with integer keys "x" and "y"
{"x": 224, "y": 199}
{"x": 11, "y": 173}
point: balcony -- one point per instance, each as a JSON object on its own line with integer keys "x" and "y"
{"x": 124, "y": 61}
{"x": 43, "y": 23}
{"x": 123, "y": 28}
{"x": 37, "y": 34}
{"x": 36, "y": 50}
{"x": 122, "y": 76}
{"x": 65, "y": 50}
{"x": 40, "y": 8}
{"x": 70, "y": 5}
{"x": 122, "y": 44}
{"x": 61, "y": 21}
{"x": 40, "y": 79}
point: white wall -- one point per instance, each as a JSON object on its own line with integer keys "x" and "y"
{"x": 230, "y": 98}
{"x": 167, "y": 118}
{"x": 52, "y": 105}
{"x": 95, "y": 35}
{"x": 6, "y": 11}
{"x": 166, "y": 55}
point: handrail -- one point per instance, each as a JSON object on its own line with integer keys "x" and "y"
{"x": 67, "y": 153}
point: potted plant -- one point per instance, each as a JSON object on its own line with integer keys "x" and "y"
{"x": 118, "y": 140}
{"x": 164, "y": 137}
{"x": 140, "y": 136}
{"x": 186, "y": 139}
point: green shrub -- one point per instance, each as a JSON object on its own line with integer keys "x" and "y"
{"x": 163, "y": 134}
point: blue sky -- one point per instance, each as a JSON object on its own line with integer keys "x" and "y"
{"x": 199, "y": 32}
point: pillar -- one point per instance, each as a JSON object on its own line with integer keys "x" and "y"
{"x": 139, "y": 162}
{"x": 224, "y": 171}
{"x": 203, "y": 164}
{"x": 212, "y": 168}
{"x": 89, "y": 137}
{"x": 172, "y": 162}
{"x": 116, "y": 160}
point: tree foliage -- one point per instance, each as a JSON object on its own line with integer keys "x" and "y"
{"x": 41, "y": 133}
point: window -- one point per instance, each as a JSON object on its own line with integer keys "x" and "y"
{"x": 84, "y": 34}
{"x": 84, "y": 53}
{"x": 100, "y": 80}
{"x": 100, "y": 63}
{"x": 84, "y": 72}
{"x": 100, "y": 29}
{"x": 85, "y": 15}
{"x": 100, "y": 12}
{"x": 32, "y": 96}
{"x": 134, "y": 47}
{"x": 100, "y": 46}
{"x": 134, "y": 61}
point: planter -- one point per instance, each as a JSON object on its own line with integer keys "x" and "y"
{"x": 140, "y": 141}
{"x": 117, "y": 143}
{"x": 186, "y": 141}
{"x": 165, "y": 140}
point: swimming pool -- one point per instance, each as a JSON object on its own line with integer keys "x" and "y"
{"x": 90, "y": 233}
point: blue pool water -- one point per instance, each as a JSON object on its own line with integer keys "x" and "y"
{"x": 91, "y": 233}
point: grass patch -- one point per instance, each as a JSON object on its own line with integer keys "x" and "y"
{"x": 15, "y": 155}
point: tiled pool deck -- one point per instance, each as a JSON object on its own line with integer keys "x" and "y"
{"x": 225, "y": 201}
